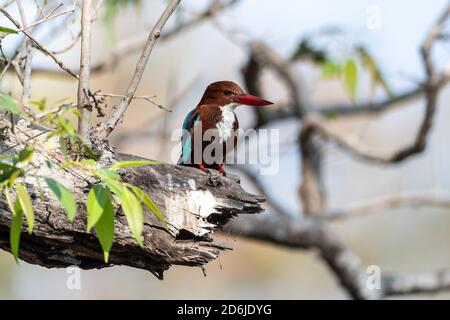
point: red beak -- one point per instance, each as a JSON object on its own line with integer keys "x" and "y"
{"x": 250, "y": 100}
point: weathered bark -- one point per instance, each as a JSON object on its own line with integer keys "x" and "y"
{"x": 193, "y": 203}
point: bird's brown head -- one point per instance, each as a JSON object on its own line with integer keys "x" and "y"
{"x": 229, "y": 93}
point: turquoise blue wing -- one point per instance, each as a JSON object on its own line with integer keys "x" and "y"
{"x": 186, "y": 143}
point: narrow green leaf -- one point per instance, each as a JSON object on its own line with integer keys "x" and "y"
{"x": 14, "y": 175}
{"x": 88, "y": 162}
{"x": 7, "y": 30}
{"x": 15, "y": 230}
{"x": 49, "y": 164}
{"x": 105, "y": 228}
{"x": 6, "y": 172}
{"x": 132, "y": 209}
{"x": 149, "y": 203}
{"x": 64, "y": 196}
{"x": 66, "y": 165}
{"x": 351, "y": 77}
{"x": 331, "y": 69}
{"x": 27, "y": 207}
{"x": 368, "y": 62}
{"x": 96, "y": 203}
{"x": 7, "y": 157}
{"x": 5, "y": 166}
{"x": 7, "y": 103}
{"x": 66, "y": 125}
{"x": 41, "y": 104}
{"x": 136, "y": 163}
{"x": 9, "y": 200}
{"x": 90, "y": 152}
{"x": 114, "y": 186}
{"x": 109, "y": 174}
{"x": 26, "y": 154}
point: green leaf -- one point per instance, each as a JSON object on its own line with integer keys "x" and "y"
{"x": 7, "y": 103}
{"x": 7, "y": 157}
{"x": 7, "y": 30}
{"x": 66, "y": 165}
{"x": 64, "y": 196}
{"x": 7, "y": 170}
{"x": 63, "y": 146}
{"x": 332, "y": 115}
{"x": 135, "y": 163}
{"x": 9, "y": 201}
{"x": 15, "y": 230}
{"x": 105, "y": 228}
{"x": 132, "y": 209}
{"x": 49, "y": 164}
{"x": 26, "y": 154}
{"x": 96, "y": 203}
{"x": 149, "y": 203}
{"x": 331, "y": 69}
{"x": 14, "y": 175}
{"x": 369, "y": 63}
{"x": 351, "y": 77}
{"x": 88, "y": 162}
{"x": 306, "y": 50}
{"x": 109, "y": 174}
{"x": 114, "y": 186}
{"x": 40, "y": 104}
{"x": 27, "y": 207}
{"x": 90, "y": 152}
{"x": 66, "y": 125}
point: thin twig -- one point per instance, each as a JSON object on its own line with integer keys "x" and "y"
{"x": 110, "y": 124}
{"x": 83, "y": 103}
{"x": 48, "y": 17}
{"x": 121, "y": 96}
{"x": 38, "y": 45}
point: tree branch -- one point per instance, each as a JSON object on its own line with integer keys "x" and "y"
{"x": 39, "y": 46}
{"x": 390, "y": 202}
{"x": 103, "y": 131}
{"x": 395, "y": 284}
{"x": 308, "y": 234}
{"x": 83, "y": 104}
{"x": 193, "y": 208}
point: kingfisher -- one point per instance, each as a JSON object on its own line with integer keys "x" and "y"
{"x": 210, "y": 129}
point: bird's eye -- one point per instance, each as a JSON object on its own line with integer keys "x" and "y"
{"x": 227, "y": 93}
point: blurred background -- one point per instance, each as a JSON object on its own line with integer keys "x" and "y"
{"x": 404, "y": 239}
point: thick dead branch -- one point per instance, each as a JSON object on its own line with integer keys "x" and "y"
{"x": 192, "y": 206}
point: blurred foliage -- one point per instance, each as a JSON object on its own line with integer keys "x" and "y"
{"x": 112, "y": 8}
{"x": 346, "y": 68}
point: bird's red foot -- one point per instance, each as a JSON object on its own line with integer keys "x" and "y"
{"x": 202, "y": 167}
{"x": 220, "y": 168}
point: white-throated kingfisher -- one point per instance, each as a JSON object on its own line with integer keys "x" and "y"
{"x": 214, "y": 117}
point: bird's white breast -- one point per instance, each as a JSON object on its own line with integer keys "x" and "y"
{"x": 225, "y": 127}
